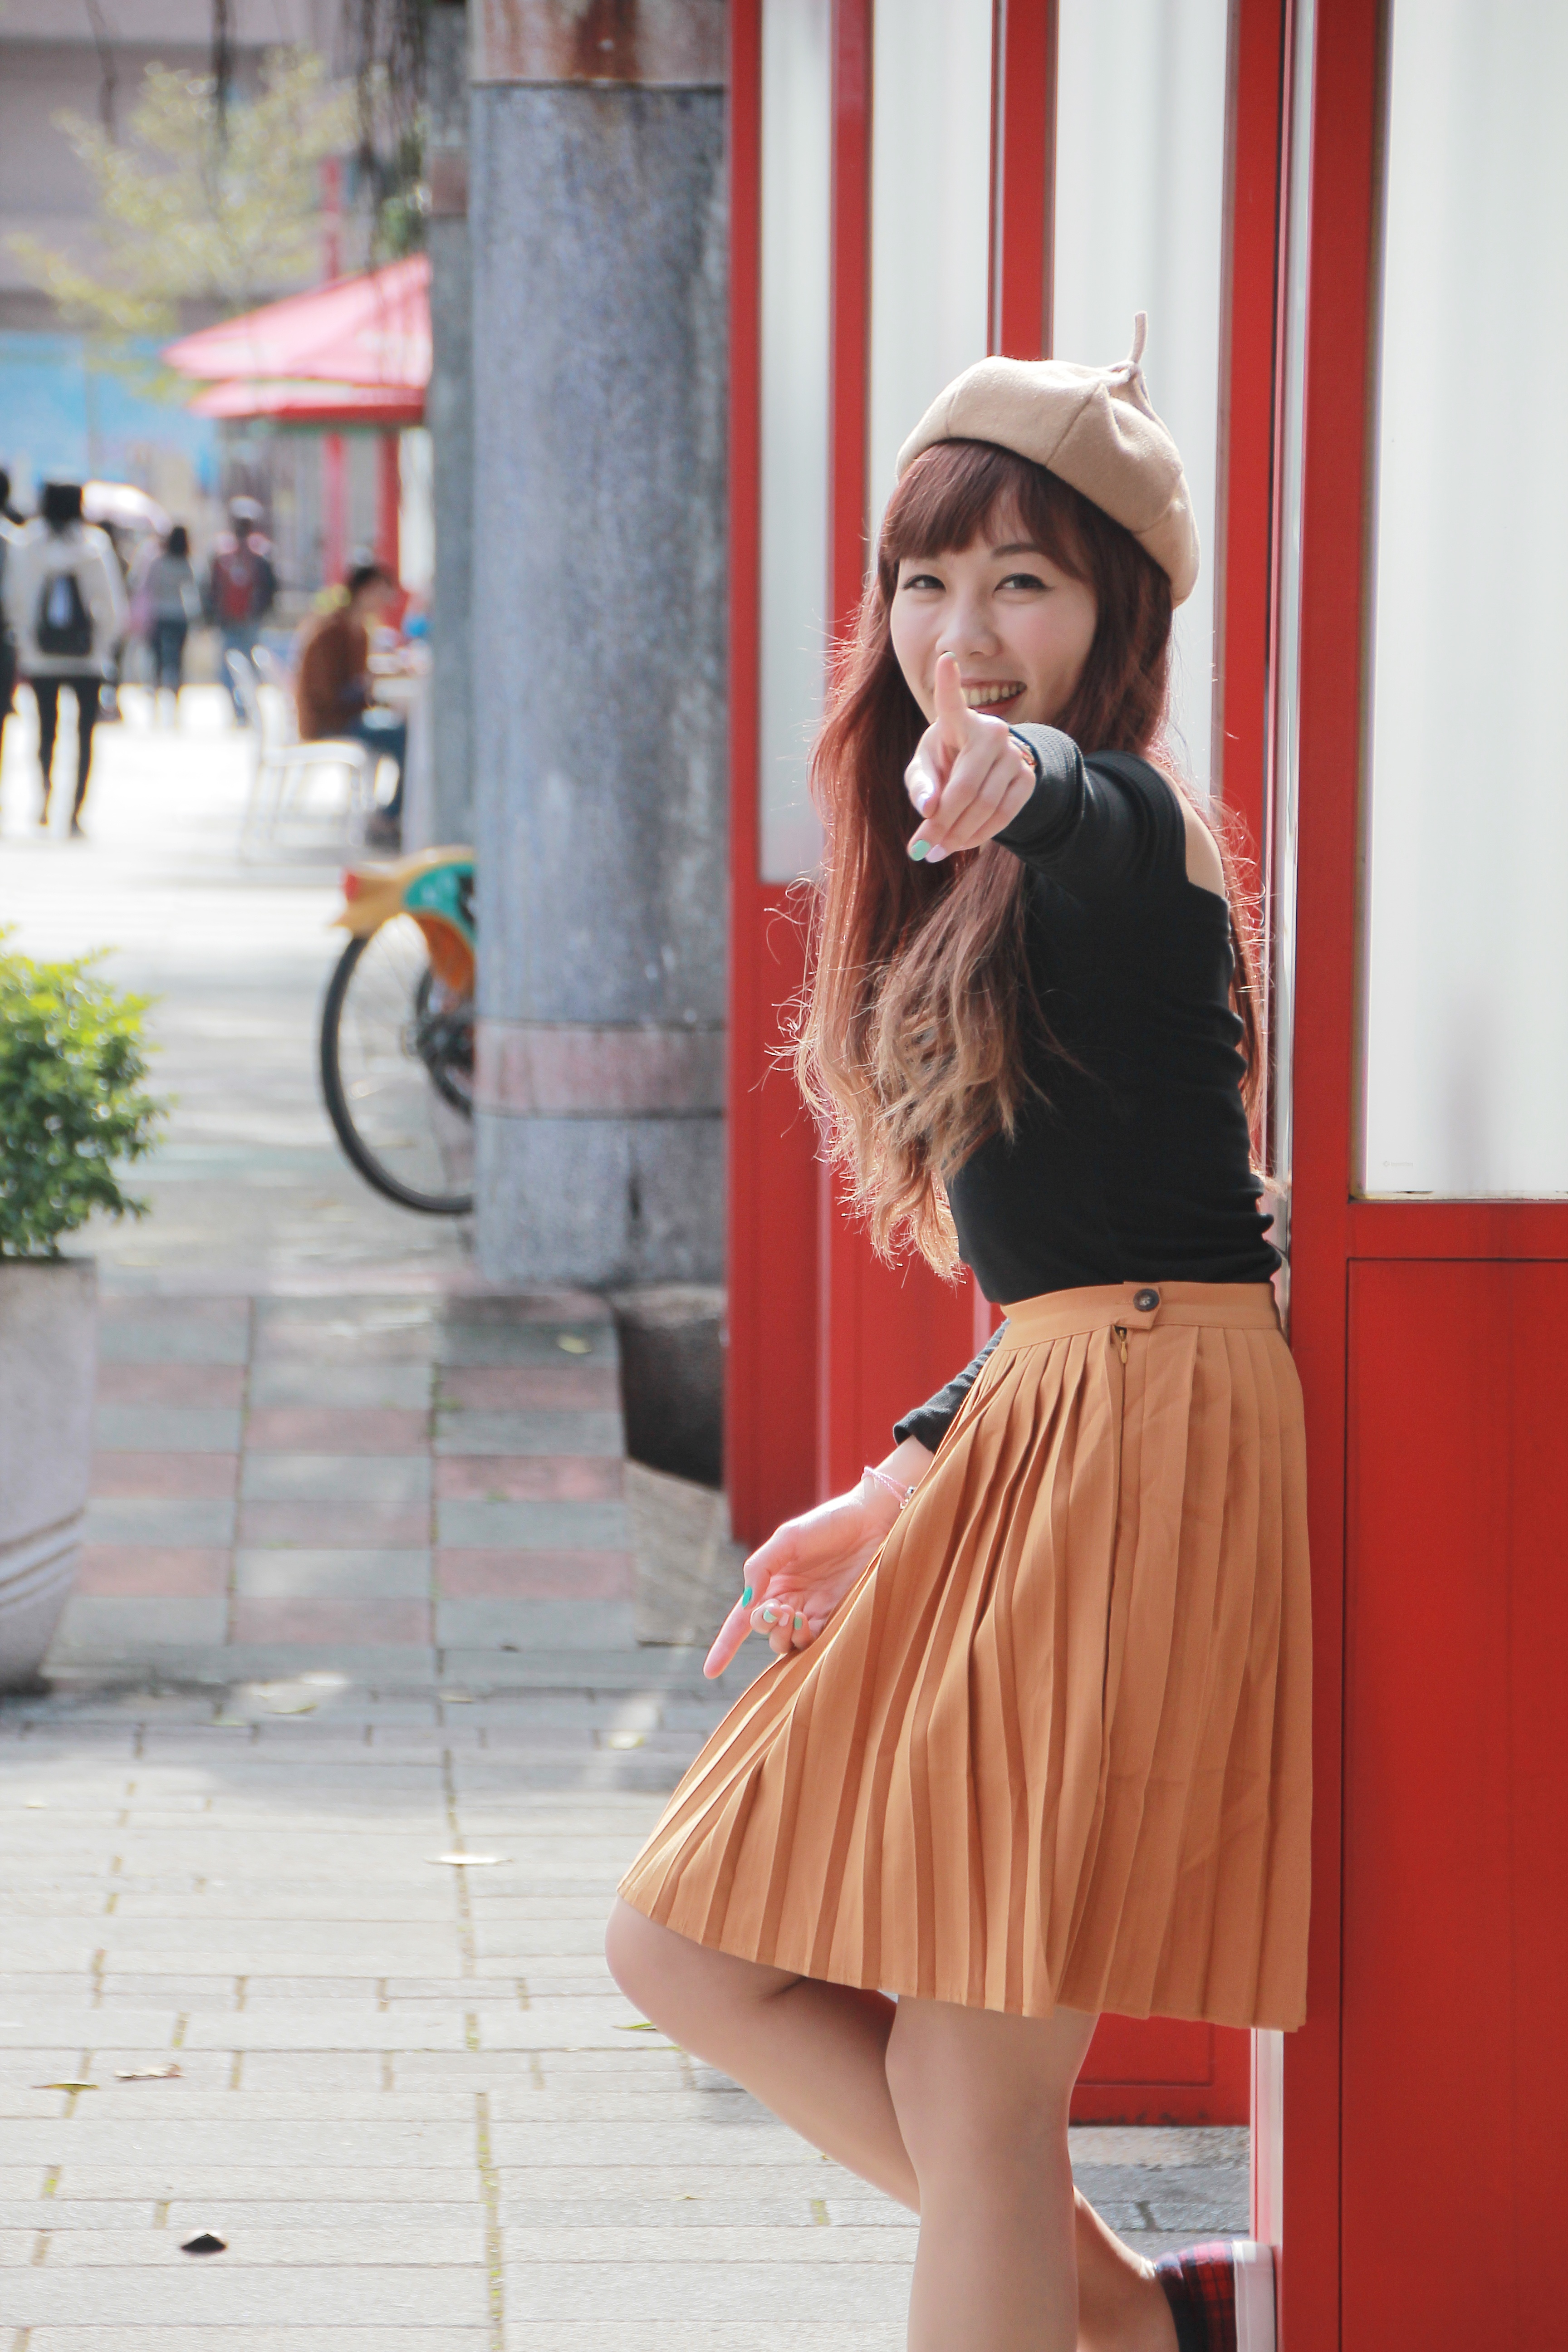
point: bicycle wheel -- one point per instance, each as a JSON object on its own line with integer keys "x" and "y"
{"x": 397, "y": 1071}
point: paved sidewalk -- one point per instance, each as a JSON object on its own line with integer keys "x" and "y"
{"x": 430, "y": 1485}
{"x": 410, "y": 2101}
{"x": 363, "y": 1584}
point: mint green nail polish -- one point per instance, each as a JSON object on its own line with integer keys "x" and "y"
{"x": 919, "y": 849}
{"x": 769, "y": 1617}
{"x": 746, "y": 1598}
{"x": 798, "y": 1623}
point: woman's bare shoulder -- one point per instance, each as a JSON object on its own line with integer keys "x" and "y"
{"x": 1204, "y": 869}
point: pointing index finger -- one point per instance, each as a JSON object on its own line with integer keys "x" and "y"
{"x": 951, "y": 711}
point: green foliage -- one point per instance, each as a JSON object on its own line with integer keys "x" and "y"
{"x": 73, "y": 1108}
{"x": 233, "y": 216}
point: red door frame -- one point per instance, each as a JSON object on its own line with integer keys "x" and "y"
{"x": 1332, "y": 1229}
{"x": 770, "y": 1404}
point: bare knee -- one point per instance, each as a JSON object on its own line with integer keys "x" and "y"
{"x": 977, "y": 2093}
{"x": 697, "y": 1996}
{"x": 643, "y": 1958}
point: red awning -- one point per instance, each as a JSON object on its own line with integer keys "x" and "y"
{"x": 372, "y": 330}
{"x": 300, "y": 401}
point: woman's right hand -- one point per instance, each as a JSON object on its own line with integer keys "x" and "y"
{"x": 807, "y": 1569}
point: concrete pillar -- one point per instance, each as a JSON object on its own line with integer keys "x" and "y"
{"x": 449, "y": 412}
{"x": 599, "y": 242}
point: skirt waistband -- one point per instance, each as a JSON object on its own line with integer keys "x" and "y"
{"x": 1140, "y": 1307}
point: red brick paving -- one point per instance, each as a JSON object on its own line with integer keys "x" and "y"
{"x": 182, "y": 1478}
{"x": 314, "y": 1429}
{"x": 299, "y": 1524}
{"x": 353, "y": 1621}
{"x": 528, "y": 1478}
{"x": 536, "y": 1575}
{"x": 320, "y": 1526}
{"x": 152, "y": 1571}
{"x": 511, "y": 1388}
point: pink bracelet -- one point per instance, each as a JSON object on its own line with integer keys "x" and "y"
{"x": 901, "y": 1493}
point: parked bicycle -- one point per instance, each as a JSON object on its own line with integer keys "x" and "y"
{"x": 397, "y": 1030}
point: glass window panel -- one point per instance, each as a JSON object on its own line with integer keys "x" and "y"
{"x": 1467, "y": 961}
{"x": 797, "y": 177}
{"x": 931, "y": 213}
{"x": 1139, "y": 200}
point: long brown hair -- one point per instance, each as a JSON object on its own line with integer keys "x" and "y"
{"x": 911, "y": 1045}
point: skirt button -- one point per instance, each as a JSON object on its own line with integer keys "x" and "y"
{"x": 1145, "y": 1301}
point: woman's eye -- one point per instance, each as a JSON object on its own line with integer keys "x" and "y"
{"x": 923, "y": 580}
{"x": 1026, "y": 580}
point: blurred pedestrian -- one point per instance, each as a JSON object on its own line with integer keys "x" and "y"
{"x": 242, "y": 587}
{"x": 172, "y": 602}
{"x": 332, "y": 687}
{"x": 65, "y": 602}
{"x": 8, "y": 634}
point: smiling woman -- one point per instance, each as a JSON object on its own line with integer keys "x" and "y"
{"x": 1037, "y": 1743}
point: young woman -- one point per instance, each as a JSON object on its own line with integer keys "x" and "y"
{"x": 1037, "y": 1743}
{"x": 171, "y": 600}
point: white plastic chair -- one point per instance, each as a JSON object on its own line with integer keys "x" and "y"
{"x": 284, "y": 766}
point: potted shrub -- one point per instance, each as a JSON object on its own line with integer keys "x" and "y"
{"x": 73, "y": 1111}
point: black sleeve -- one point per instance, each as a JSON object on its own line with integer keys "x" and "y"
{"x": 931, "y": 1421}
{"x": 1096, "y": 823}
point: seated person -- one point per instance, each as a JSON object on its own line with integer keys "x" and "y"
{"x": 333, "y": 683}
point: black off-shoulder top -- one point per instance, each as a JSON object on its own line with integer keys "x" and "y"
{"x": 1136, "y": 1167}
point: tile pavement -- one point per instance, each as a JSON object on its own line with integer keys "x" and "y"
{"x": 426, "y": 1476}
{"x": 409, "y": 2099}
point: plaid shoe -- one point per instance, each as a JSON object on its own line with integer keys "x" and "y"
{"x": 1221, "y": 2295}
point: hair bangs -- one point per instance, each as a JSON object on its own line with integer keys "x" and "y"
{"x": 961, "y": 491}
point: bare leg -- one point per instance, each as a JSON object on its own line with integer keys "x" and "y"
{"x": 46, "y": 694}
{"x": 1122, "y": 2305}
{"x": 85, "y": 721}
{"x": 981, "y": 2101}
{"x": 816, "y": 2054}
{"x": 813, "y": 2052}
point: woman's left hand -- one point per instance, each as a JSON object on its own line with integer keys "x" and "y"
{"x": 970, "y": 775}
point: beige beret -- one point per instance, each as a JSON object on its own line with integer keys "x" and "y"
{"x": 1094, "y": 427}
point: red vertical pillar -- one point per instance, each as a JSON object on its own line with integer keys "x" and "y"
{"x": 334, "y": 507}
{"x": 1024, "y": 156}
{"x": 1245, "y": 530}
{"x": 770, "y": 1423}
{"x": 389, "y": 502}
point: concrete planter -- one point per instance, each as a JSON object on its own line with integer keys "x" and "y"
{"x": 49, "y": 1362}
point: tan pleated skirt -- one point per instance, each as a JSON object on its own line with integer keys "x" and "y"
{"x": 1055, "y": 1747}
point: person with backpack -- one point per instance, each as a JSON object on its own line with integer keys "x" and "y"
{"x": 65, "y": 601}
{"x": 242, "y": 586}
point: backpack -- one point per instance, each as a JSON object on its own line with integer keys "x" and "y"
{"x": 64, "y": 624}
{"x": 235, "y": 575}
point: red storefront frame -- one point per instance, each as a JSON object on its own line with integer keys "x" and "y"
{"x": 1434, "y": 2059}
{"x": 826, "y": 1347}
